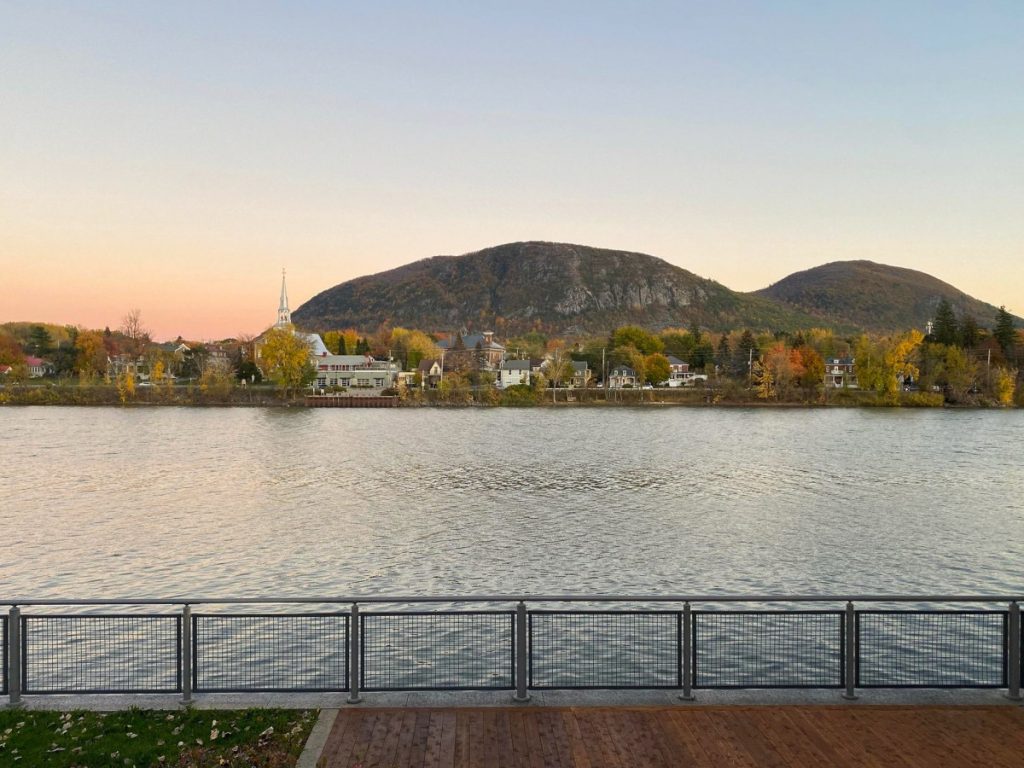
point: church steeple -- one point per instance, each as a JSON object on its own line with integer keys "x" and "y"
{"x": 284, "y": 315}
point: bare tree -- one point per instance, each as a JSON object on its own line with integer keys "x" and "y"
{"x": 134, "y": 331}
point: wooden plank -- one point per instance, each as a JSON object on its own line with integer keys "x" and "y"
{"x": 818, "y": 725}
{"x": 378, "y": 738}
{"x": 517, "y": 733}
{"x": 599, "y": 749}
{"x": 577, "y": 748}
{"x": 357, "y": 737}
{"x": 712, "y": 727}
{"x": 432, "y": 753}
{"x": 446, "y": 756}
{"x": 461, "y": 738}
{"x": 419, "y": 738}
{"x": 342, "y": 722}
{"x": 698, "y": 755}
{"x": 403, "y": 754}
{"x": 478, "y": 757}
{"x": 506, "y": 750}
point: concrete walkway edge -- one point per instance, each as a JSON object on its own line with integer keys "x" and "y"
{"x": 317, "y": 739}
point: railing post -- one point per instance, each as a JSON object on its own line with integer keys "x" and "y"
{"x": 850, "y": 662}
{"x": 1013, "y": 651}
{"x": 522, "y": 652}
{"x": 186, "y": 655}
{"x": 14, "y": 660}
{"x": 687, "y": 694}
{"x": 354, "y": 652}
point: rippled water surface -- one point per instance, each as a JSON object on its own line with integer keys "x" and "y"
{"x": 240, "y": 502}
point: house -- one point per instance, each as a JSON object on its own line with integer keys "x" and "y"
{"x": 4, "y": 370}
{"x": 581, "y": 374}
{"x": 37, "y": 367}
{"x": 359, "y": 371}
{"x": 622, "y": 376}
{"x": 463, "y": 348}
{"x": 118, "y": 365}
{"x": 840, "y": 373}
{"x": 512, "y": 373}
{"x": 430, "y": 372}
{"x": 681, "y": 375}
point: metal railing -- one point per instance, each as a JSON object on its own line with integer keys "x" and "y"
{"x": 512, "y": 642}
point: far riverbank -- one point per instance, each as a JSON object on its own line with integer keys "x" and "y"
{"x": 265, "y": 396}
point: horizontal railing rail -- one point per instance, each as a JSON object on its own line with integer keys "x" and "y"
{"x": 510, "y": 642}
{"x": 517, "y": 598}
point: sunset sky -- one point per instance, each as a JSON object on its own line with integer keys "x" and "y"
{"x": 174, "y": 156}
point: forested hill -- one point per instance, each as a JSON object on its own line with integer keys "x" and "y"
{"x": 873, "y": 297}
{"x": 554, "y": 287}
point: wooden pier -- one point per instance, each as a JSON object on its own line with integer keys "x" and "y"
{"x": 670, "y": 737}
{"x": 351, "y": 401}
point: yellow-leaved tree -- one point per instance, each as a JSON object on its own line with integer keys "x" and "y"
{"x": 883, "y": 364}
{"x": 285, "y": 359}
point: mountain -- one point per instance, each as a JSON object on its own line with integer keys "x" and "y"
{"x": 554, "y": 287}
{"x": 873, "y": 297}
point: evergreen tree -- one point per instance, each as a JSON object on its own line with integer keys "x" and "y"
{"x": 746, "y": 351}
{"x": 799, "y": 340}
{"x": 40, "y": 341}
{"x": 970, "y": 334}
{"x": 1005, "y": 333}
{"x": 944, "y": 330}
{"x": 723, "y": 353}
{"x": 363, "y": 347}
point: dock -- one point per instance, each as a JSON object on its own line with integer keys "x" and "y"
{"x": 668, "y": 737}
{"x": 351, "y": 401}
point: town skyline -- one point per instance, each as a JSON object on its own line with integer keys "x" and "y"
{"x": 173, "y": 158}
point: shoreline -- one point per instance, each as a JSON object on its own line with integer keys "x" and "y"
{"x": 103, "y": 395}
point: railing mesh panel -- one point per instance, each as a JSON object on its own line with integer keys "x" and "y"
{"x": 768, "y": 649}
{"x": 933, "y": 649}
{"x": 440, "y": 651}
{"x": 282, "y": 652}
{"x": 101, "y": 654}
{"x": 3, "y": 655}
{"x": 605, "y": 649}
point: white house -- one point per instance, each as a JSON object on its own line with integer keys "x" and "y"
{"x": 622, "y": 376}
{"x": 512, "y": 372}
{"x": 839, "y": 372}
{"x": 358, "y": 371}
{"x": 681, "y": 375}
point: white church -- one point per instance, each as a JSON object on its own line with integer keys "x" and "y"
{"x": 361, "y": 372}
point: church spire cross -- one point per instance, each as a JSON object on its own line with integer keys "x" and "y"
{"x": 284, "y": 315}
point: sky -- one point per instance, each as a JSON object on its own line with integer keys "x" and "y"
{"x": 173, "y": 157}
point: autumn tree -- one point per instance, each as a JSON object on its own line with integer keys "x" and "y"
{"x": 1004, "y": 385}
{"x": 657, "y": 369}
{"x": 883, "y": 364}
{"x": 10, "y": 349}
{"x": 335, "y": 342}
{"x": 286, "y": 359}
{"x": 91, "y": 354}
{"x": 812, "y": 374}
{"x": 637, "y": 337}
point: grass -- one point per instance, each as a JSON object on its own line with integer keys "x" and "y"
{"x": 268, "y": 738}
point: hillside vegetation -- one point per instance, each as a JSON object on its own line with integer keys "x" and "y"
{"x": 551, "y": 287}
{"x": 872, "y": 297}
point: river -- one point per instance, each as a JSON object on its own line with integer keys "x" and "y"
{"x": 145, "y": 502}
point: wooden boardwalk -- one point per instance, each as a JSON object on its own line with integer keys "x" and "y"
{"x": 621, "y": 737}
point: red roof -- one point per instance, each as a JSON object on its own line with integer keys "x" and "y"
{"x": 33, "y": 362}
